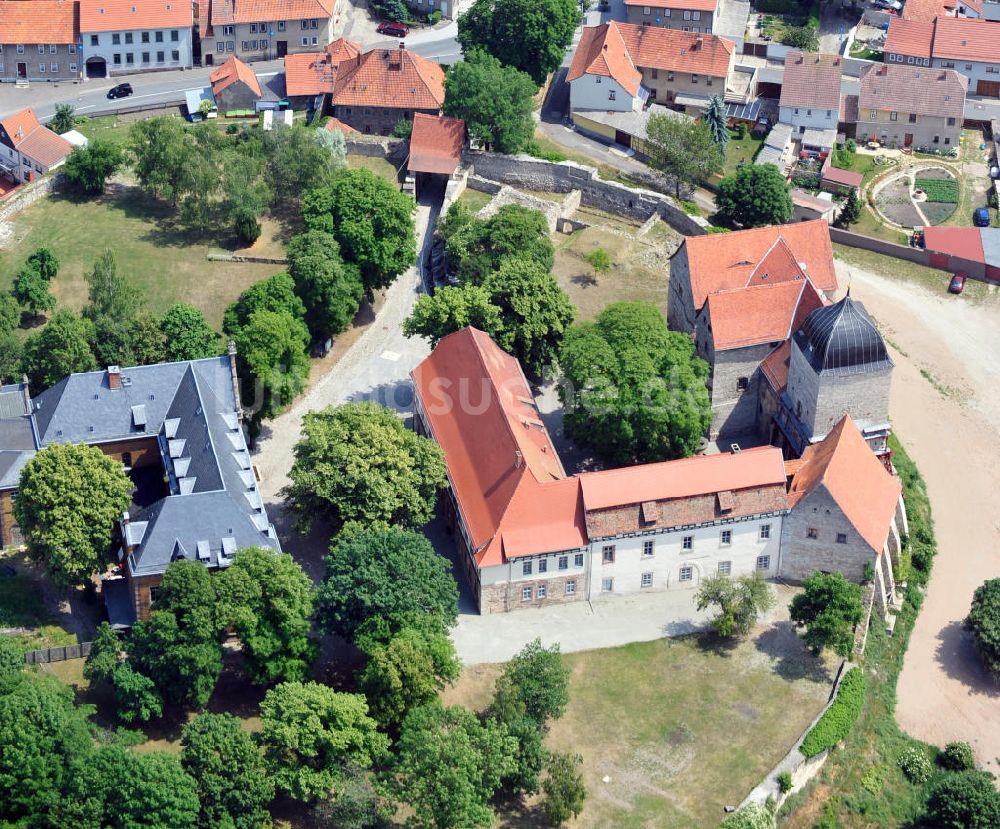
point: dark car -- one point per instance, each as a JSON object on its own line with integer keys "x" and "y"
{"x": 394, "y": 29}
{"x": 957, "y": 284}
{"x": 123, "y": 90}
{"x": 981, "y": 217}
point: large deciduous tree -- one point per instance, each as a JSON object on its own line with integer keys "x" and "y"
{"x": 273, "y": 362}
{"x": 276, "y": 293}
{"x": 478, "y": 247}
{"x": 187, "y": 334}
{"x": 683, "y": 150}
{"x": 330, "y": 289}
{"x": 268, "y": 599}
{"x": 232, "y": 782}
{"x": 537, "y": 680}
{"x": 68, "y": 500}
{"x": 380, "y": 571}
{"x": 530, "y": 36}
{"x": 90, "y": 167}
{"x": 739, "y": 601}
{"x": 31, "y": 290}
{"x": 60, "y": 348}
{"x": 983, "y": 622}
{"x": 564, "y": 789}
{"x": 495, "y": 101}
{"x": 309, "y": 732}
{"x": 964, "y": 800}
{"x": 162, "y": 156}
{"x": 635, "y": 391}
{"x": 451, "y": 309}
{"x": 756, "y": 195}
{"x": 359, "y": 462}
{"x": 828, "y": 607}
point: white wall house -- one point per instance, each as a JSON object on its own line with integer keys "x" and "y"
{"x": 598, "y": 92}
{"x": 138, "y": 36}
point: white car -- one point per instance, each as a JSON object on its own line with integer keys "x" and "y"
{"x": 888, "y": 4}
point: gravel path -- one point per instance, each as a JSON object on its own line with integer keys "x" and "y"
{"x": 947, "y": 420}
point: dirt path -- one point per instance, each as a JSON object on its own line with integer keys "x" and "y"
{"x": 945, "y": 397}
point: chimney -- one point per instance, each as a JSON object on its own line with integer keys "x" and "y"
{"x": 699, "y": 42}
{"x": 518, "y": 459}
{"x": 402, "y": 46}
{"x": 114, "y": 378}
{"x": 27, "y": 394}
{"x": 126, "y": 542}
{"x": 231, "y": 350}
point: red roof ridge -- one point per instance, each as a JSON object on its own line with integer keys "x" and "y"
{"x": 231, "y": 71}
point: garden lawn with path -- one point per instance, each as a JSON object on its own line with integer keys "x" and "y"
{"x": 25, "y": 610}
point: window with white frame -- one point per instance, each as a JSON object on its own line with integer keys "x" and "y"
{"x": 72, "y": 67}
{"x": 20, "y": 48}
{"x": 646, "y": 11}
{"x": 305, "y": 41}
{"x": 41, "y": 49}
{"x": 607, "y": 585}
{"x": 220, "y": 46}
{"x": 53, "y": 49}
{"x": 608, "y": 554}
{"x": 543, "y": 565}
{"x": 646, "y": 580}
{"x": 563, "y": 562}
{"x": 526, "y": 594}
{"x": 570, "y": 587}
{"x": 72, "y": 48}
{"x": 666, "y": 12}
{"x": 647, "y": 549}
{"x": 687, "y": 542}
{"x": 541, "y": 591}
{"x": 725, "y": 568}
{"x": 686, "y": 573}
{"x": 763, "y": 562}
{"x": 54, "y": 68}
{"x": 228, "y": 30}
{"x": 281, "y": 25}
{"x": 611, "y": 95}
{"x": 253, "y": 28}
{"x": 246, "y": 45}
{"x": 765, "y": 532}
{"x": 315, "y": 41}
{"x": 687, "y": 14}
{"x": 526, "y": 568}
{"x": 726, "y": 538}
{"x": 41, "y": 68}
{"x": 578, "y": 560}
{"x": 253, "y": 45}
{"x": 696, "y": 15}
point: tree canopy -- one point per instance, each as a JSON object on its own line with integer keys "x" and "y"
{"x": 495, "y": 101}
{"x": 31, "y": 289}
{"x": 187, "y": 334}
{"x": 564, "y": 789}
{"x": 983, "y": 622}
{"x": 69, "y": 498}
{"x": 964, "y": 800}
{"x": 739, "y": 601}
{"x": 359, "y": 462}
{"x": 90, "y": 167}
{"x": 683, "y": 150}
{"x": 330, "y": 289}
{"x": 715, "y": 118}
{"x": 478, "y": 247}
{"x": 829, "y": 607}
{"x": 272, "y": 359}
{"x": 636, "y": 392}
{"x": 383, "y": 571}
{"x": 530, "y": 36}
{"x": 756, "y": 195}
{"x": 309, "y": 732}
{"x": 60, "y": 348}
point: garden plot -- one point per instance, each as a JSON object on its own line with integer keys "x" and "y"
{"x": 937, "y": 192}
{"x": 893, "y": 201}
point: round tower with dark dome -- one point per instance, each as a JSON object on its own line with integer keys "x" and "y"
{"x": 839, "y": 365}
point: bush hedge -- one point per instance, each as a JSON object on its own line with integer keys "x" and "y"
{"x": 839, "y": 718}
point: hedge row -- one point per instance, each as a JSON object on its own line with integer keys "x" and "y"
{"x": 839, "y": 718}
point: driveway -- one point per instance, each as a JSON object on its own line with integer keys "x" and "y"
{"x": 952, "y": 435}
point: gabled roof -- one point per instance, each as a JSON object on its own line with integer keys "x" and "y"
{"x": 602, "y": 51}
{"x": 775, "y": 367}
{"x": 723, "y": 261}
{"x": 20, "y": 125}
{"x": 910, "y": 37}
{"x": 122, "y": 15}
{"x": 654, "y": 47}
{"x": 227, "y": 12}
{"x": 501, "y": 461}
{"x": 230, "y": 72}
{"x": 436, "y": 143}
{"x": 39, "y": 21}
{"x": 926, "y": 10}
{"x": 337, "y": 124}
{"x": 964, "y": 242}
{"x": 315, "y": 73}
{"x": 37, "y": 142}
{"x": 392, "y": 78}
{"x": 922, "y": 90}
{"x": 762, "y": 313}
{"x": 963, "y": 38}
{"x": 693, "y": 5}
{"x": 812, "y": 80}
{"x": 855, "y": 478}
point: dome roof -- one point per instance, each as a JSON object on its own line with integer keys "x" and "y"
{"x": 842, "y": 338}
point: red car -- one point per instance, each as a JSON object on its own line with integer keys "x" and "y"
{"x": 957, "y": 284}
{"x": 393, "y": 29}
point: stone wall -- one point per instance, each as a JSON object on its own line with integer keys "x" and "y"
{"x": 507, "y": 596}
{"x": 551, "y": 210}
{"x": 376, "y": 147}
{"x": 734, "y": 412}
{"x": 27, "y": 195}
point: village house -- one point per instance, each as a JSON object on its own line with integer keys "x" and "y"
{"x": 810, "y": 99}
{"x": 530, "y": 535}
{"x": 177, "y": 429}
{"x": 310, "y": 77}
{"x": 122, "y": 36}
{"x": 262, "y": 29}
{"x": 436, "y": 144}
{"x": 375, "y": 91}
{"x": 39, "y": 40}
{"x": 911, "y": 106}
{"x": 619, "y": 67}
{"x": 28, "y": 149}
{"x": 235, "y": 86}
{"x": 685, "y": 15}
{"x": 970, "y": 47}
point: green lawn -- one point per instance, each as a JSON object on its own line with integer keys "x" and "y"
{"x": 22, "y": 605}
{"x": 376, "y": 164}
{"x": 681, "y": 728}
{"x": 740, "y": 152}
{"x": 109, "y": 127}
{"x": 475, "y": 200}
{"x": 165, "y": 262}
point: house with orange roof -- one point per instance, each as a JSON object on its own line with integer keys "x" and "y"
{"x": 527, "y": 534}
{"x": 28, "y": 149}
{"x": 436, "y": 144}
{"x": 39, "y": 41}
{"x": 618, "y": 67}
{"x": 310, "y": 77}
{"x": 235, "y": 86}
{"x": 376, "y": 90}
{"x": 124, "y": 36}
{"x": 263, "y": 29}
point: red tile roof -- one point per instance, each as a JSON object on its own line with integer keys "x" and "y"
{"x": 964, "y": 242}
{"x": 855, "y": 478}
{"x": 501, "y": 461}
{"x": 846, "y": 178}
{"x": 230, "y": 72}
{"x": 120, "y": 15}
{"x": 37, "y": 142}
{"x": 775, "y": 366}
{"x": 39, "y": 21}
{"x": 694, "y": 5}
{"x": 315, "y": 73}
{"x": 602, "y": 51}
{"x": 962, "y": 38}
{"x": 812, "y": 80}
{"x": 698, "y": 475}
{"x": 918, "y": 89}
{"x": 436, "y": 143}
{"x": 910, "y": 37}
{"x": 925, "y": 10}
{"x": 761, "y": 313}
{"x": 395, "y": 78}
{"x": 337, "y": 124}
{"x": 227, "y": 12}
{"x": 723, "y": 261}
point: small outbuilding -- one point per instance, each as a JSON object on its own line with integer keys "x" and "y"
{"x": 235, "y": 86}
{"x": 436, "y": 143}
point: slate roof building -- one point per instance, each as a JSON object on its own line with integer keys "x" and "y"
{"x": 177, "y": 430}
{"x": 528, "y": 534}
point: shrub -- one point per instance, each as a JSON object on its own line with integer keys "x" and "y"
{"x": 785, "y": 782}
{"x": 839, "y": 718}
{"x": 915, "y": 765}
{"x": 873, "y": 780}
{"x": 741, "y": 130}
{"x": 983, "y": 622}
{"x": 246, "y": 226}
{"x": 533, "y": 149}
{"x": 801, "y": 37}
{"x": 957, "y": 757}
{"x": 753, "y": 816}
{"x": 435, "y": 17}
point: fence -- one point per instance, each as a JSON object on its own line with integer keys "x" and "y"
{"x": 60, "y": 654}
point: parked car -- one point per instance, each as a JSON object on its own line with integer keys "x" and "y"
{"x": 957, "y": 284}
{"x": 981, "y": 217}
{"x": 393, "y": 29}
{"x": 895, "y": 5}
{"x": 123, "y": 90}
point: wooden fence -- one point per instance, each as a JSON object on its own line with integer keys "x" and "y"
{"x": 60, "y": 654}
